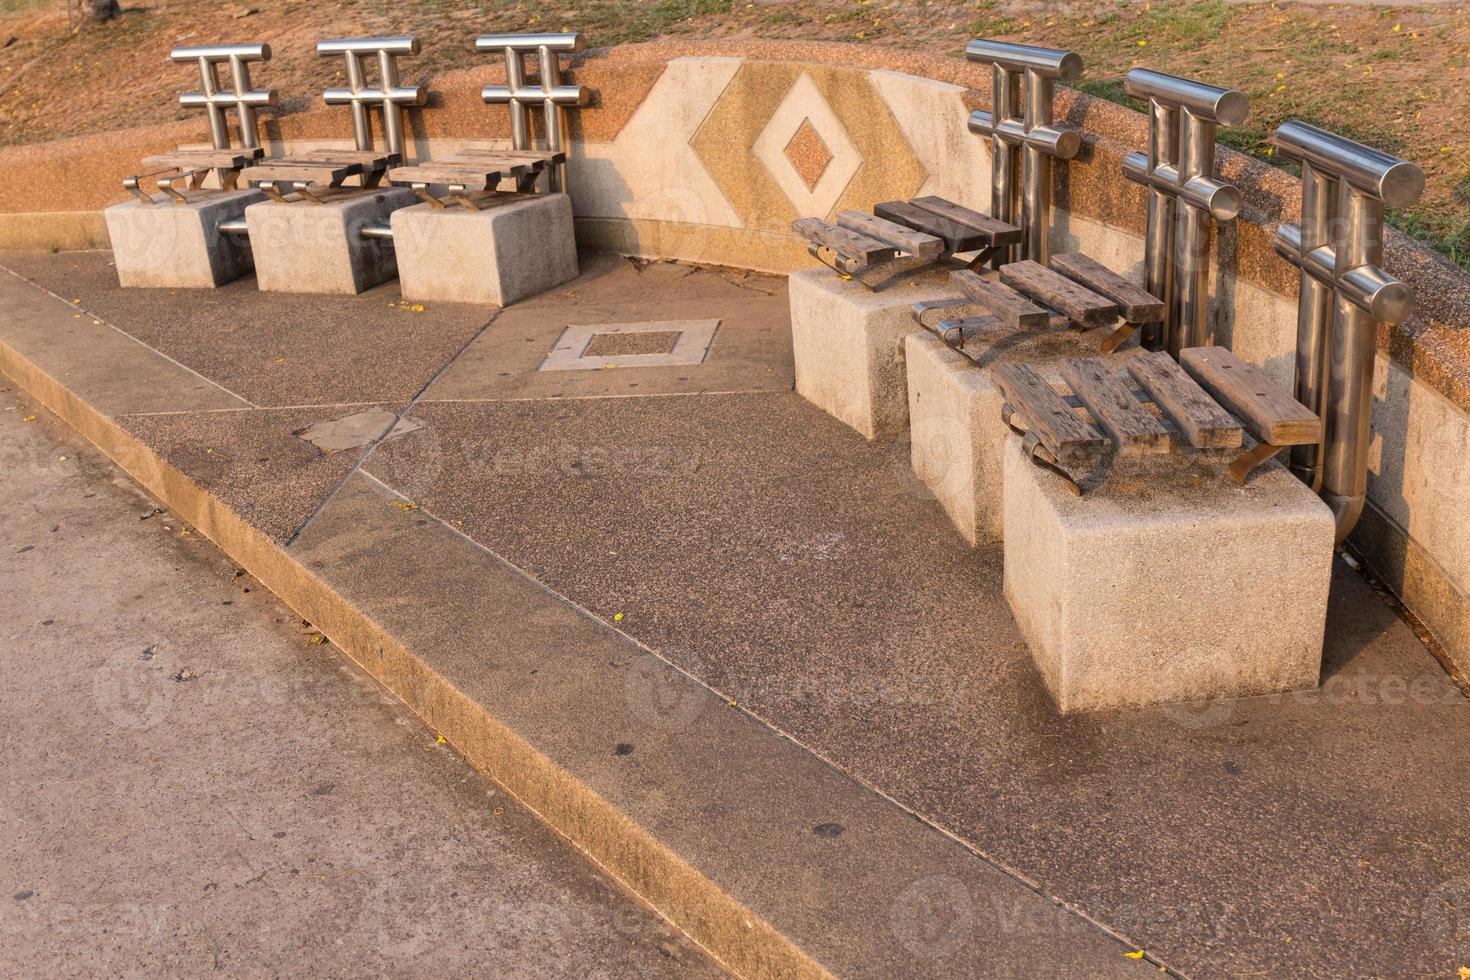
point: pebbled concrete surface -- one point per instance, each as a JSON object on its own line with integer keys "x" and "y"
{"x": 805, "y": 574}
{"x": 193, "y": 787}
{"x": 800, "y": 570}
{"x": 751, "y": 349}
{"x": 255, "y": 461}
{"x": 279, "y": 350}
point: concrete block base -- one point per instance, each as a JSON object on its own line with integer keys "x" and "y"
{"x": 497, "y": 256}
{"x": 1168, "y": 583}
{"x": 847, "y": 343}
{"x": 318, "y": 248}
{"x": 167, "y": 245}
{"x": 958, "y": 438}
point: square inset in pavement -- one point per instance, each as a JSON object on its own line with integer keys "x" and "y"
{"x": 632, "y": 342}
{"x": 656, "y": 343}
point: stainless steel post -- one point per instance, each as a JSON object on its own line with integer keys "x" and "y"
{"x": 1313, "y": 318}
{"x": 1024, "y": 140}
{"x": 1158, "y": 242}
{"x": 1183, "y": 197}
{"x": 1338, "y": 246}
{"x": 388, "y": 96}
{"x": 549, "y": 94}
{"x": 1036, "y": 172}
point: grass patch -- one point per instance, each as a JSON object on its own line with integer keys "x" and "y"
{"x": 614, "y": 22}
{"x": 1112, "y": 90}
{"x": 1189, "y": 24}
{"x": 1447, "y": 234}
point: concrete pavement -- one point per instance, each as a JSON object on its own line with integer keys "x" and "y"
{"x": 733, "y": 650}
{"x": 194, "y": 783}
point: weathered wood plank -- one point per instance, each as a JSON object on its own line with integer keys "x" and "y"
{"x": 996, "y": 232}
{"x": 1080, "y": 305}
{"x": 302, "y": 170}
{"x": 958, "y": 237}
{"x": 1137, "y": 305}
{"x": 366, "y": 158}
{"x": 531, "y": 156}
{"x": 1204, "y": 423}
{"x": 1131, "y": 426}
{"x": 915, "y": 243}
{"x": 1017, "y": 311}
{"x": 849, "y": 245}
{"x": 464, "y": 176}
{"x": 195, "y": 159}
{"x": 1072, "y": 441}
{"x": 506, "y": 165}
{"x": 1271, "y": 414}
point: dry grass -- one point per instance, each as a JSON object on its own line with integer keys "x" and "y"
{"x": 1395, "y": 77}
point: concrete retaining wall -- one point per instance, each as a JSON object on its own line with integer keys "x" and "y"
{"x": 706, "y": 152}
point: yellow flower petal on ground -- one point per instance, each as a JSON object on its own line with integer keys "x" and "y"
{"x": 618, "y": 618}
{"x": 1137, "y": 954}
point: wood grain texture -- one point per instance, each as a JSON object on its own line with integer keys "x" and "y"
{"x": 1079, "y": 304}
{"x": 957, "y": 237}
{"x": 1204, "y": 423}
{"x": 1072, "y": 441}
{"x": 999, "y": 232}
{"x": 1018, "y": 312}
{"x": 1131, "y": 426}
{"x": 1268, "y": 411}
{"x": 850, "y": 245}
{"x": 1136, "y": 304}
{"x": 916, "y": 243}
{"x": 365, "y": 158}
{"x": 476, "y": 177}
{"x": 193, "y": 159}
{"x": 546, "y": 157}
{"x": 304, "y": 170}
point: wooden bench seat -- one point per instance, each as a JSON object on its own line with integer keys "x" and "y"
{"x": 313, "y": 171}
{"x": 472, "y": 174}
{"x": 1079, "y": 304}
{"x": 901, "y": 237}
{"x": 1134, "y": 304}
{"x": 1014, "y": 309}
{"x": 1211, "y": 401}
{"x": 853, "y": 248}
{"x": 204, "y": 158}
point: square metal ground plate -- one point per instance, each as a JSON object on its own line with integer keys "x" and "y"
{"x": 588, "y": 347}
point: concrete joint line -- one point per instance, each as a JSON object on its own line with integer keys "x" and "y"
{"x": 399, "y": 417}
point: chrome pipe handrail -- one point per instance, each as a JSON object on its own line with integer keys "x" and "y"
{"x": 1397, "y": 183}
{"x": 239, "y": 95}
{"x": 547, "y": 92}
{"x": 388, "y": 96}
{"x": 1338, "y": 249}
{"x": 1047, "y": 62}
{"x": 1183, "y": 197}
{"x": 1023, "y": 138}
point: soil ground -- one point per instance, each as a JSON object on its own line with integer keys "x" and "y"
{"x": 1395, "y": 77}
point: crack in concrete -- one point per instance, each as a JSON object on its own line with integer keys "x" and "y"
{"x": 397, "y": 419}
